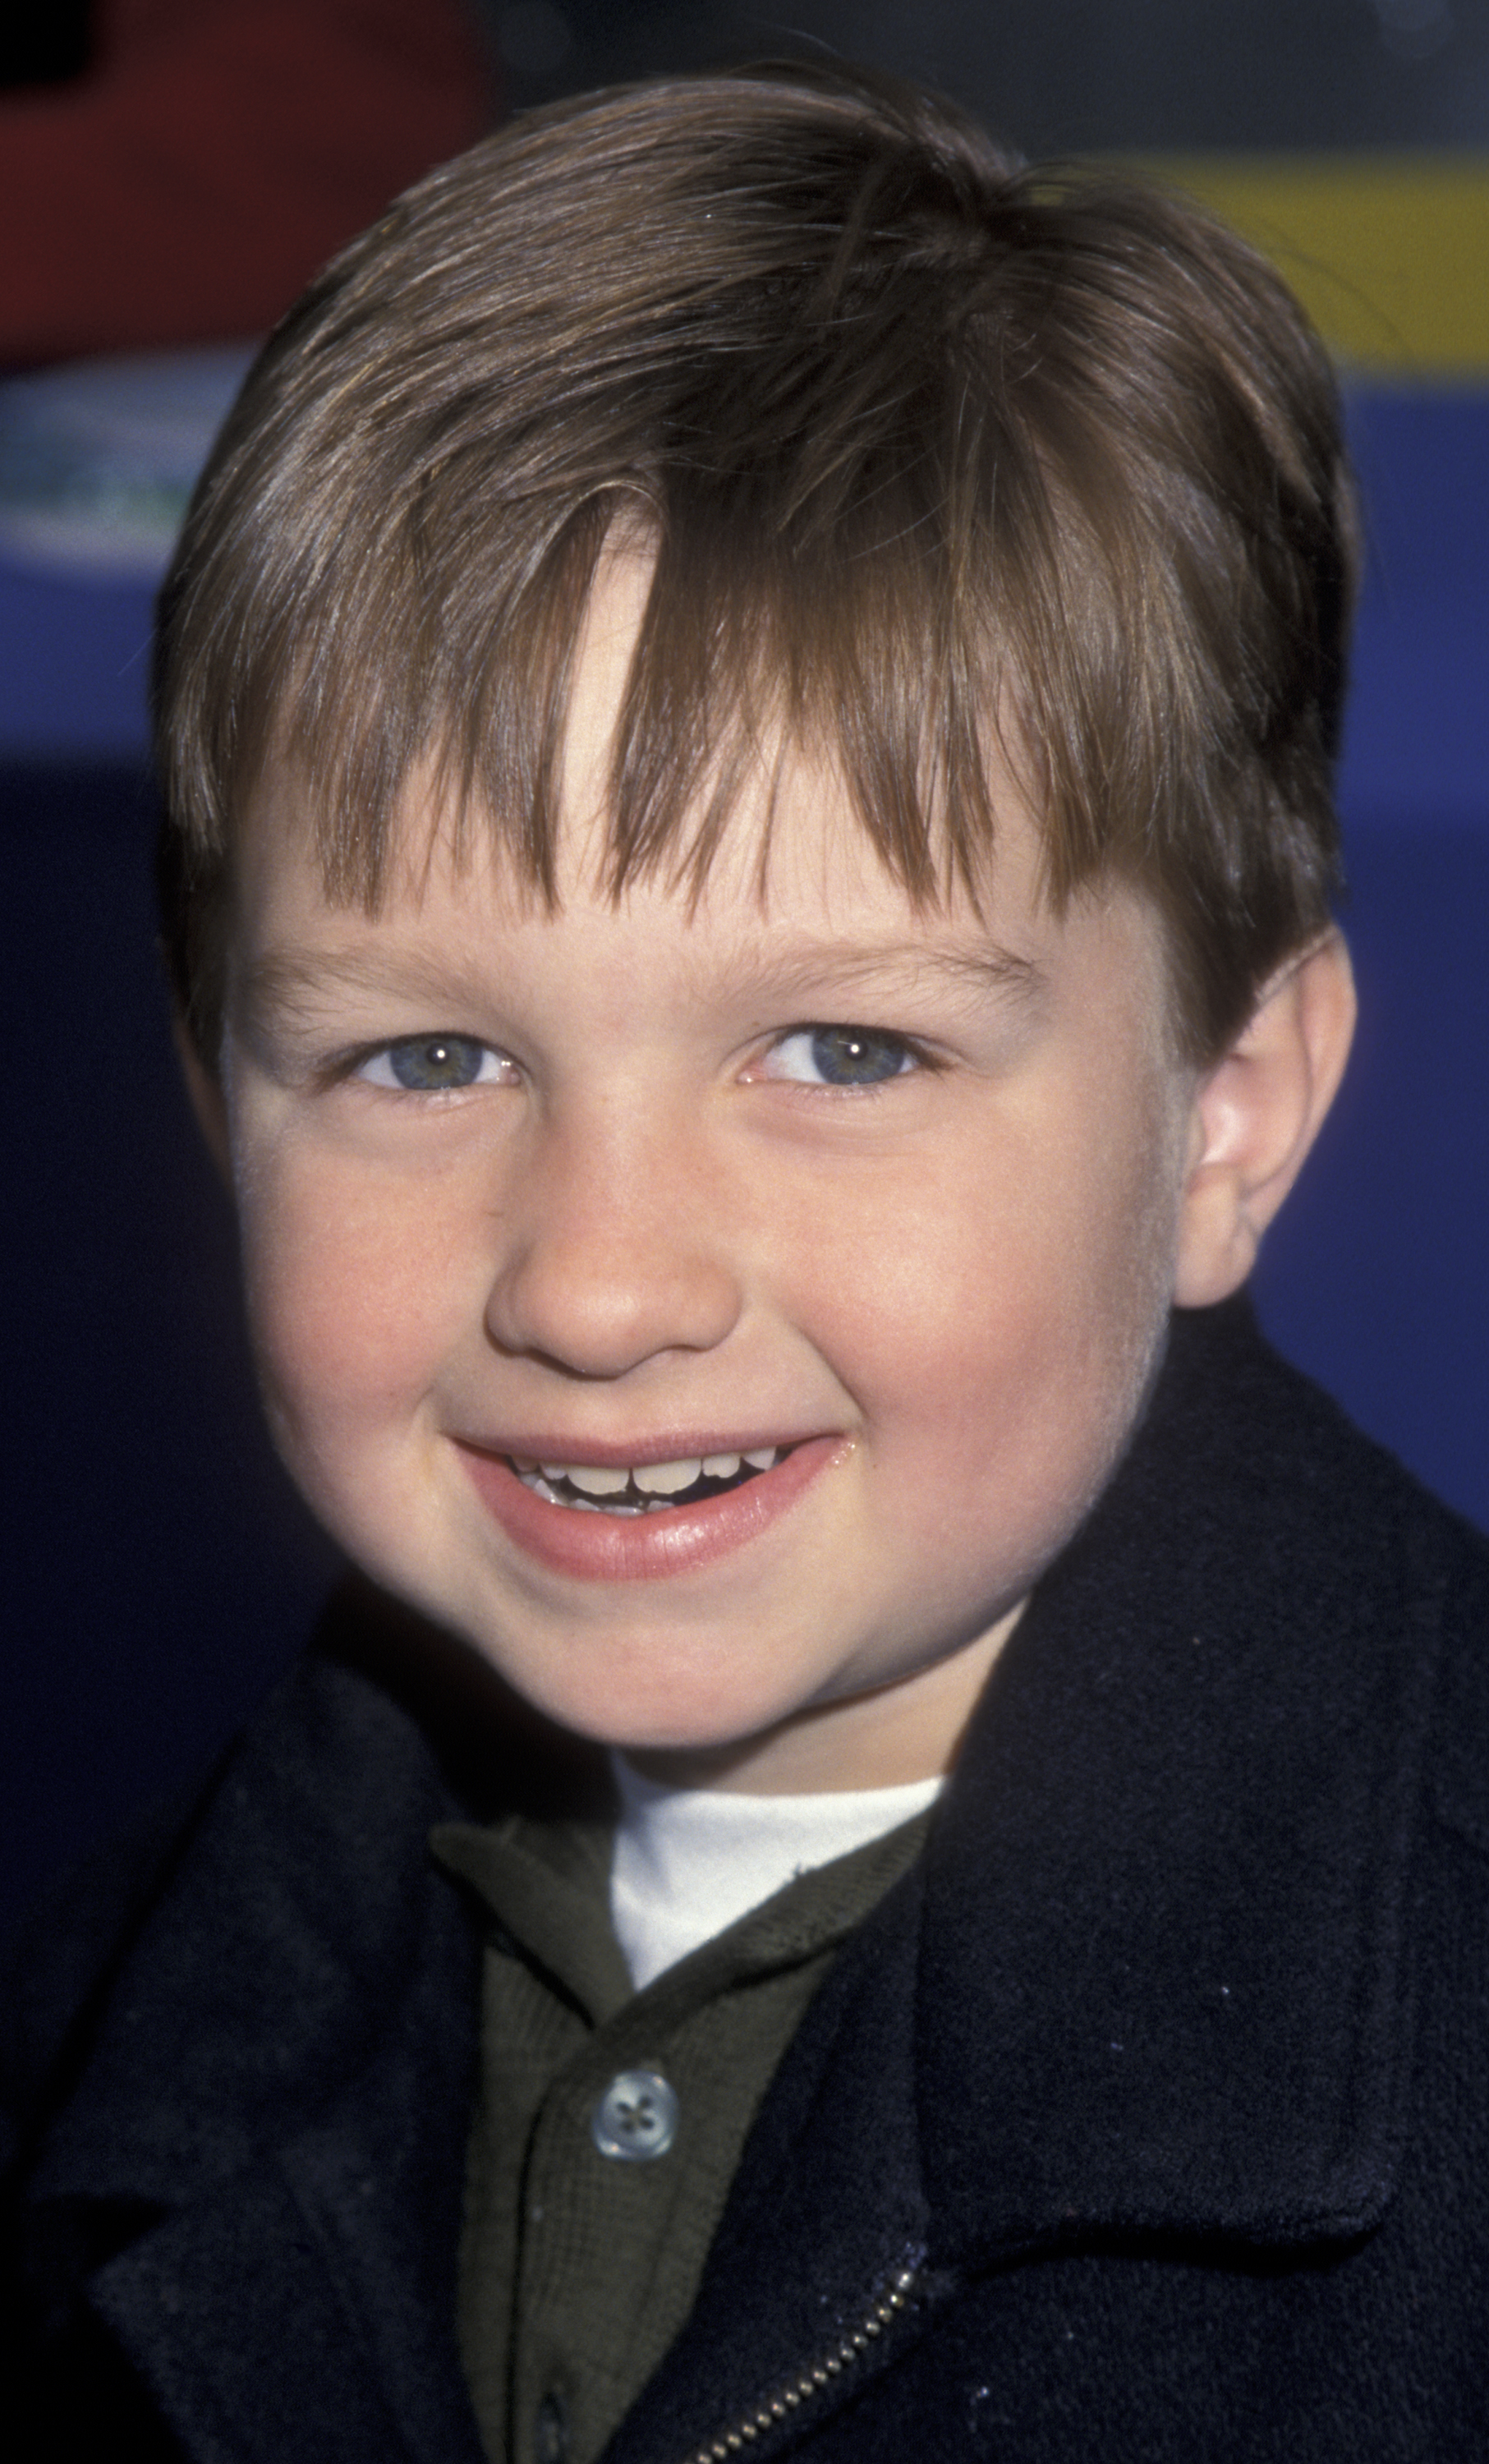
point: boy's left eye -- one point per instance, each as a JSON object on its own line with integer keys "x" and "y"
{"x": 841, "y": 1056}
{"x": 433, "y": 1064}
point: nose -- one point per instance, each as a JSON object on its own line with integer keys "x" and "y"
{"x": 615, "y": 1250}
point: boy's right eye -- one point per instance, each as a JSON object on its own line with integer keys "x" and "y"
{"x": 435, "y": 1064}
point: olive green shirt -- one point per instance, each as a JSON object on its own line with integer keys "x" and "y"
{"x": 592, "y": 2197}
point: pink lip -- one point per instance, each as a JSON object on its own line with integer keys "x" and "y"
{"x": 642, "y": 1548}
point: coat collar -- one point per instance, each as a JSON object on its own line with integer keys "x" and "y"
{"x": 1163, "y": 1983}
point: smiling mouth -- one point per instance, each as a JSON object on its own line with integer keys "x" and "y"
{"x": 645, "y": 1488}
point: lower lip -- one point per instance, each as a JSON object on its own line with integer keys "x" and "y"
{"x": 644, "y": 1548}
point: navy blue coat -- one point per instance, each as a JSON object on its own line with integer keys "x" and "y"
{"x": 1148, "y": 2118}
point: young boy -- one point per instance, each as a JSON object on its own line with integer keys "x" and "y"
{"x": 887, "y": 1854}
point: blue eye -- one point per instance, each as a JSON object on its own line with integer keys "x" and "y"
{"x": 841, "y": 1056}
{"x": 431, "y": 1065}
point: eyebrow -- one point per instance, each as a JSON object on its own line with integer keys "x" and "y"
{"x": 837, "y": 967}
{"x": 288, "y": 981}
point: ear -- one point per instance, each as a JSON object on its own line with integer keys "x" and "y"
{"x": 208, "y": 1100}
{"x": 1256, "y": 1113}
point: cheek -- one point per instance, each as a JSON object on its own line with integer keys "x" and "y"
{"x": 1000, "y": 1343}
{"x": 355, "y": 1295}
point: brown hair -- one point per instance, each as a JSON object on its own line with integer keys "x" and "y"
{"x": 925, "y": 440}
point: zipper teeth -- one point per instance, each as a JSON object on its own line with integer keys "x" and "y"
{"x": 788, "y": 2399}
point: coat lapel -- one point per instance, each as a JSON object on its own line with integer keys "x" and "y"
{"x": 234, "y": 2314}
{"x": 1174, "y": 2003}
{"x": 284, "y": 2083}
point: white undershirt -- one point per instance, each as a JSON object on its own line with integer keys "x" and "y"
{"x": 687, "y": 1861}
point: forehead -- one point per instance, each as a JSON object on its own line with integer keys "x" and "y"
{"x": 795, "y": 884}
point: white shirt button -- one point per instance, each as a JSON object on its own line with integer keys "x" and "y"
{"x": 636, "y": 2118}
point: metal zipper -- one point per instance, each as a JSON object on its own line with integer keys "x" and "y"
{"x": 789, "y": 2400}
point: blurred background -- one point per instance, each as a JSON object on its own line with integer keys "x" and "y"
{"x": 171, "y": 171}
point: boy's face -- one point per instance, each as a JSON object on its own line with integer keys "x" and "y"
{"x": 891, "y": 1196}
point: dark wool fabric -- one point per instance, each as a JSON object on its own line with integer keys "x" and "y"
{"x": 1146, "y": 2117}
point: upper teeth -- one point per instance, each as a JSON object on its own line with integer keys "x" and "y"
{"x": 657, "y": 1479}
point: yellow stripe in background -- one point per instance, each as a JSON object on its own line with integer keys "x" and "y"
{"x": 1388, "y": 252}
